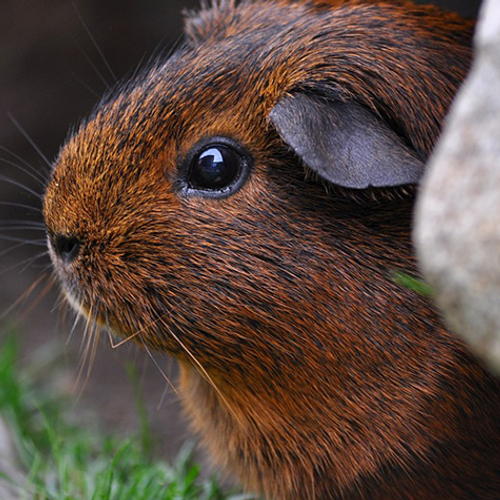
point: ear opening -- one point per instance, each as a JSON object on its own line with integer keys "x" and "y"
{"x": 344, "y": 143}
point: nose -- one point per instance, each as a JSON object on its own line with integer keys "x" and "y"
{"x": 66, "y": 247}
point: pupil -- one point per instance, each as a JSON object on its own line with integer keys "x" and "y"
{"x": 215, "y": 168}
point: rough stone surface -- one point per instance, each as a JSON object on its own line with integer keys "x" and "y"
{"x": 457, "y": 231}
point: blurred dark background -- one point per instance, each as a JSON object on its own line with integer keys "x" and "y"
{"x": 51, "y": 74}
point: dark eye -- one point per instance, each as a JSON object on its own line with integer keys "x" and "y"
{"x": 216, "y": 168}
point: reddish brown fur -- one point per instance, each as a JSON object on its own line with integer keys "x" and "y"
{"x": 308, "y": 371}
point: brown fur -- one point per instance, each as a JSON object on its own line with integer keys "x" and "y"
{"x": 309, "y": 372}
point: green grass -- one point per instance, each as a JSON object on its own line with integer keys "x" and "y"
{"x": 412, "y": 283}
{"x": 62, "y": 460}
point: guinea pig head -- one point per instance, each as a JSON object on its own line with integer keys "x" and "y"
{"x": 243, "y": 206}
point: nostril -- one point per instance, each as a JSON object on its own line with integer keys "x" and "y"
{"x": 67, "y": 247}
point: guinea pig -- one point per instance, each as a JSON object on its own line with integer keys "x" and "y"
{"x": 243, "y": 206}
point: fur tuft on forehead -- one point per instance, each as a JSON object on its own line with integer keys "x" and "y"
{"x": 212, "y": 20}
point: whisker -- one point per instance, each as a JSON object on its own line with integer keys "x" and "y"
{"x": 31, "y": 167}
{"x": 23, "y": 296}
{"x": 162, "y": 52}
{"x": 168, "y": 389}
{"x": 21, "y": 185}
{"x": 14, "y": 247}
{"x": 96, "y": 335}
{"x": 19, "y": 205}
{"x": 28, "y": 170}
{"x": 138, "y": 67}
{"x": 25, "y": 221}
{"x": 60, "y": 302}
{"x": 86, "y": 86}
{"x": 163, "y": 374}
{"x": 50, "y": 283}
{"x": 108, "y": 329}
{"x": 94, "y": 42}
{"x": 23, "y": 227}
{"x": 162, "y": 398}
{"x": 90, "y": 339}
{"x": 28, "y": 262}
{"x": 37, "y": 179}
{"x": 92, "y": 64}
{"x": 89, "y": 347}
{"x": 30, "y": 140}
{"x": 204, "y": 373}
{"x": 133, "y": 335}
{"x": 78, "y": 317}
{"x": 31, "y": 262}
{"x": 124, "y": 340}
{"x": 94, "y": 345}
{"x": 14, "y": 239}
{"x": 63, "y": 306}
{"x": 84, "y": 341}
{"x": 46, "y": 267}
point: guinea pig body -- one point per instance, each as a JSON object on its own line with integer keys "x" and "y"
{"x": 243, "y": 206}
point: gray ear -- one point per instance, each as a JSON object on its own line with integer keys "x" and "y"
{"x": 345, "y": 143}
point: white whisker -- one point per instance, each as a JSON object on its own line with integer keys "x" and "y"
{"x": 30, "y": 140}
{"x": 40, "y": 243}
{"x": 24, "y": 227}
{"x": 19, "y": 205}
{"x": 94, "y": 42}
{"x": 21, "y": 185}
{"x": 92, "y": 64}
{"x": 25, "y": 221}
{"x": 36, "y": 177}
{"x": 86, "y": 86}
{"x": 31, "y": 167}
{"x": 78, "y": 317}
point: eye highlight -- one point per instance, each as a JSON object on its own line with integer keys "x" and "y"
{"x": 215, "y": 168}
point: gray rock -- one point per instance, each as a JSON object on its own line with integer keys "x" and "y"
{"x": 457, "y": 233}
